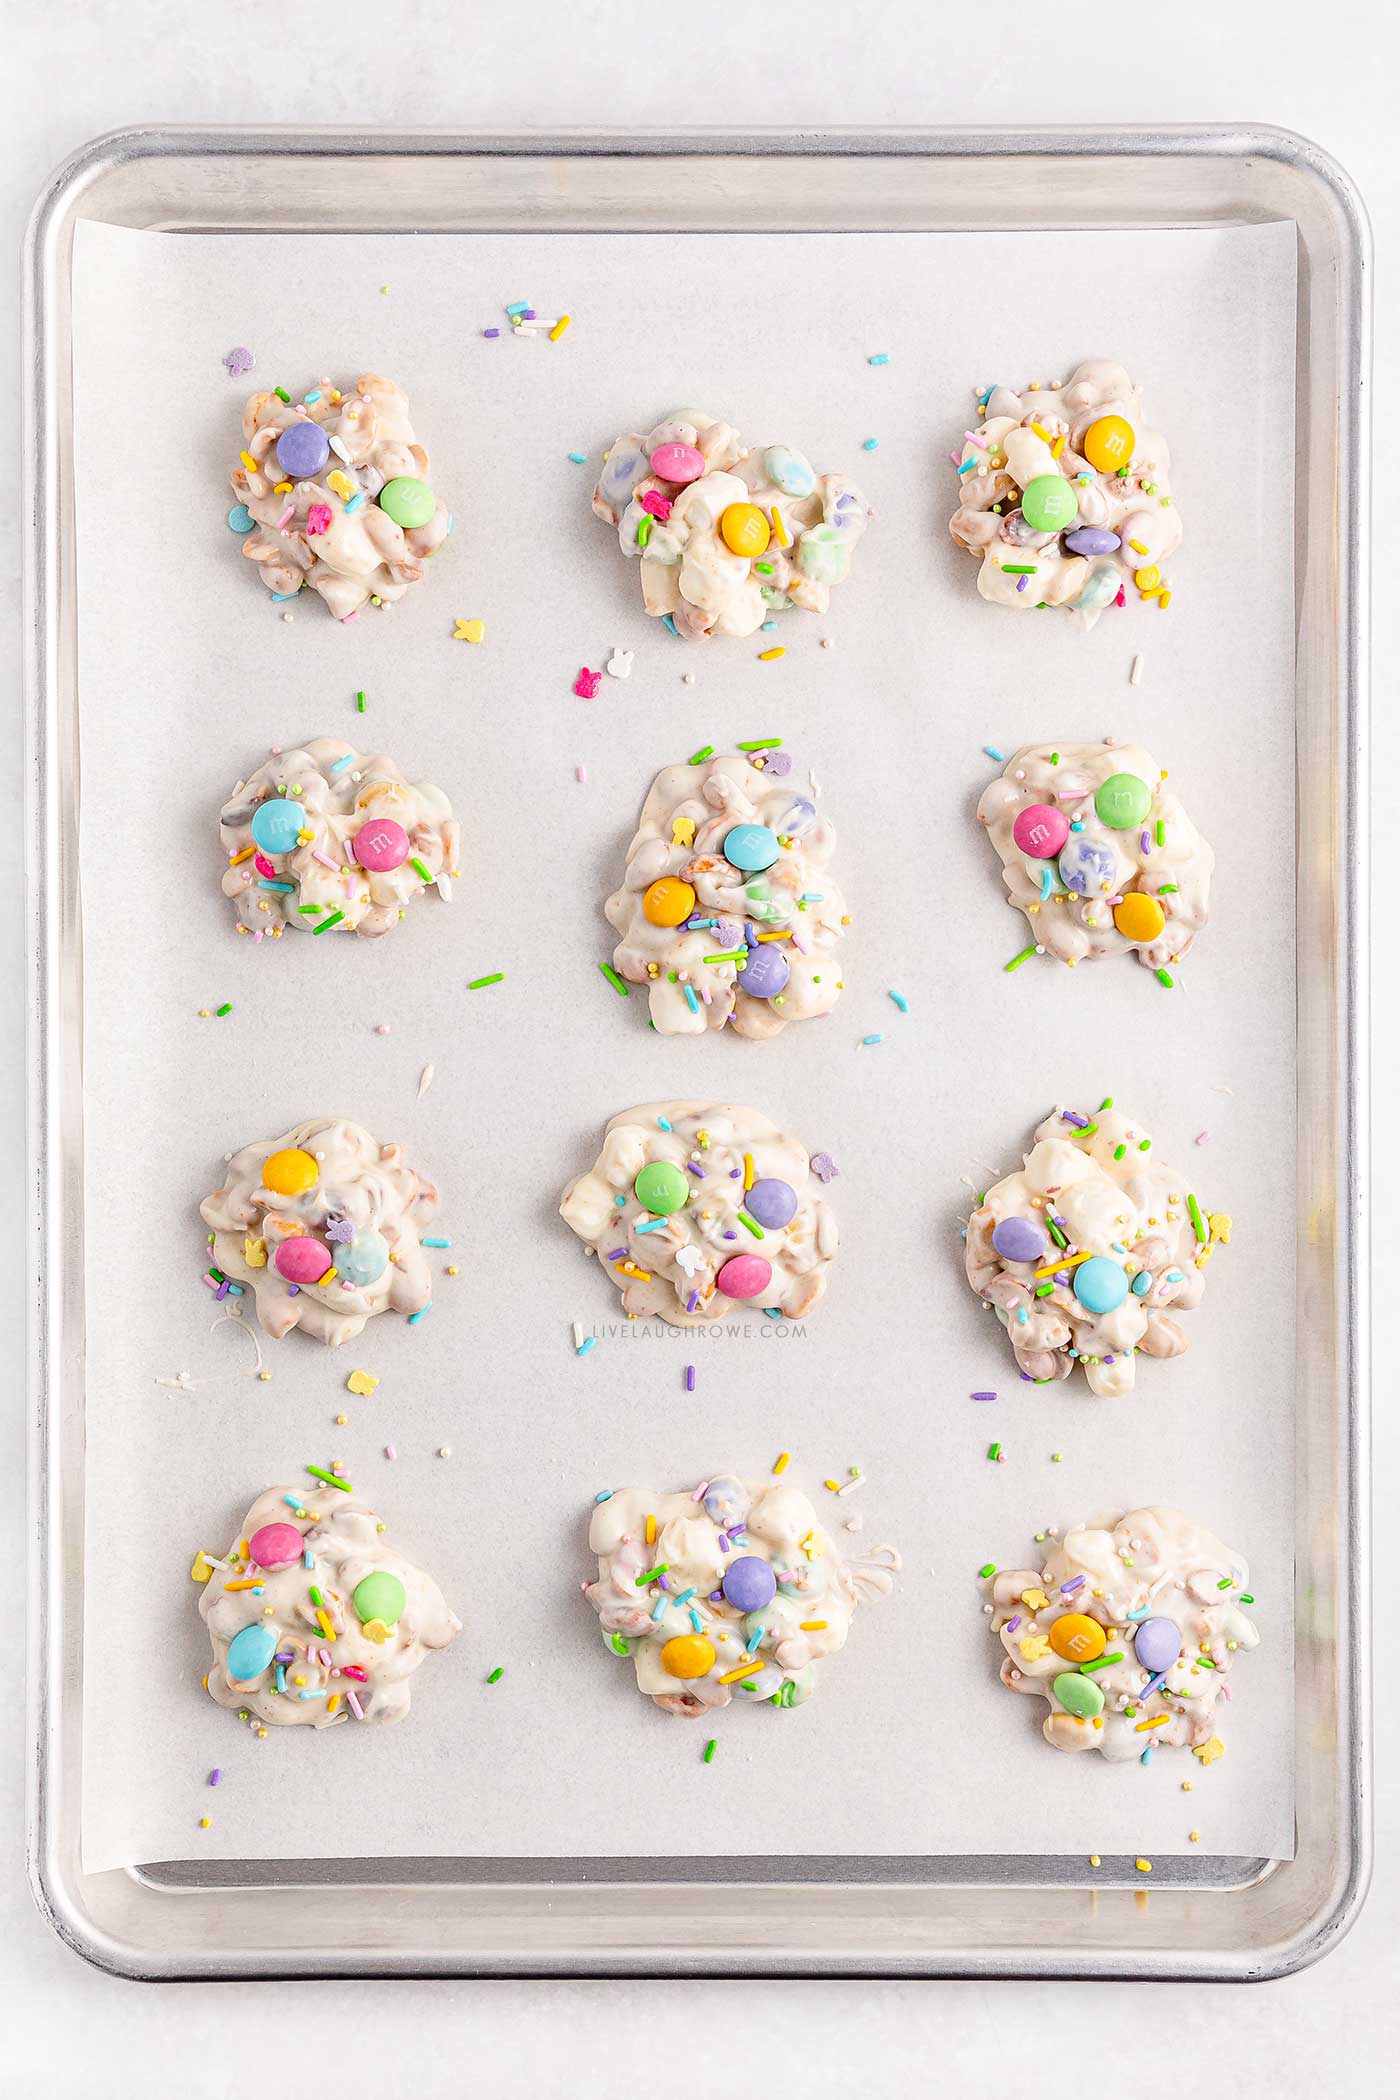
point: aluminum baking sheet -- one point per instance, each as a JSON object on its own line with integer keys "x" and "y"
{"x": 493, "y": 1376}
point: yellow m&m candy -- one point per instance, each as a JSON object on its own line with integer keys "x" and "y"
{"x": 1139, "y": 917}
{"x": 688, "y": 1655}
{"x": 1078, "y": 1638}
{"x": 745, "y": 530}
{"x": 1108, "y": 444}
{"x": 669, "y": 901}
{"x": 290, "y": 1173}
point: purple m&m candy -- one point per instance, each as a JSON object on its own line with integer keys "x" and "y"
{"x": 381, "y": 845}
{"x": 1019, "y": 1239}
{"x": 773, "y": 1203}
{"x": 1091, "y": 539}
{"x": 765, "y": 973}
{"x": 302, "y": 450}
{"x": 1157, "y": 1644}
{"x": 749, "y": 1583}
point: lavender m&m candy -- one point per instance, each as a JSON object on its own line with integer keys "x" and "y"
{"x": 745, "y": 1276}
{"x": 301, "y": 1259}
{"x": 1091, "y": 539}
{"x": 1087, "y": 864}
{"x": 765, "y": 973}
{"x": 381, "y": 845}
{"x": 772, "y": 1202}
{"x": 680, "y": 463}
{"x": 1040, "y": 830}
{"x": 1019, "y": 1239}
{"x": 1157, "y": 1644}
{"x": 749, "y": 1583}
{"x": 275, "y": 1546}
{"x": 302, "y": 450}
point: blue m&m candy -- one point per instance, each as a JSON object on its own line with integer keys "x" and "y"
{"x": 788, "y": 471}
{"x": 302, "y": 450}
{"x": 276, "y": 824}
{"x": 1100, "y": 1285}
{"x": 752, "y": 847}
{"x": 251, "y": 1650}
{"x": 363, "y": 1260}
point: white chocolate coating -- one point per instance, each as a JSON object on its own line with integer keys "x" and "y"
{"x": 364, "y": 1195}
{"x": 362, "y": 554}
{"x": 696, "y": 1537}
{"x": 684, "y": 822}
{"x": 1149, "y": 1564}
{"x": 345, "y": 1541}
{"x": 1098, "y": 866}
{"x": 1135, "y": 1211}
{"x": 340, "y": 790}
{"x": 687, "y": 570}
{"x": 1006, "y": 451}
{"x": 671, "y": 1269}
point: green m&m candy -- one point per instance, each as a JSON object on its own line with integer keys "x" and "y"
{"x": 407, "y": 502}
{"x": 661, "y": 1188}
{"x": 1078, "y": 1695}
{"x": 380, "y": 1596}
{"x": 1122, "y": 801}
{"x": 1048, "y": 503}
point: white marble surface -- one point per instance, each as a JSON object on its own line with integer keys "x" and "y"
{"x": 87, "y": 68}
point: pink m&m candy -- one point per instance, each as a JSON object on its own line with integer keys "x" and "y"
{"x": 381, "y": 845}
{"x": 275, "y": 1546}
{"x": 745, "y": 1276}
{"x": 302, "y": 1259}
{"x": 1041, "y": 830}
{"x": 677, "y": 463}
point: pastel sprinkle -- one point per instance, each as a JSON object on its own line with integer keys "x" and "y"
{"x": 478, "y": 984}
{"x": 900, "y": 1001}
{"x": 881, "y": 357}
{"x": 496, "y": 1675}
{"x": 614, "y": 980}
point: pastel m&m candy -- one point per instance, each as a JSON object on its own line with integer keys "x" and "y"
{"x": 745, "y": 530}
{"x": 745, "y": 1276}
{"x": 275, "y": 1546}
{"x": 688, "y": 1655}
{"x": 1077, "y": 1637}
{"x": 250, "y": 1651}
{"x": 749, "y": 1583}
{"x": 407, "y": 501}
{"x": 301, "y": 1259}
{"x": 1139, "y": 917}
{"x": 1122, "y": 801}
{"x": 752, "y": 847}
{"x": 1157, "y": 1644}
{"x": 1040, "y": 830}
{"x": 1048, "y": 503}
{"x": 364, "y": 1259}
{"x": 669, "y": 901}
{"x": 788, "y": 471}
{"x": 676, "y": 462}
{"x": 1091, "y": 539}
{"x": 1019, "y": 1239}
{"x": 1100, "y": 1285}
{"x": 381, "y": 845}
{"x": 1087, "y": 864}
{"x": 765, "y": 973}
{"x": 290, "y": 1173}
{"x": 661, "y": 1188}
{"x": 276, "y": 824}
{"x": 1078, "y": 1695}
{"x": 302, "y": 450}
{"x": 1108, "y": 444}
{"x": 380, "y": 1596}
{"x": 772, "y": 1202}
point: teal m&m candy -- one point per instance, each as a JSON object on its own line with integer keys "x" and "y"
{"x": 1048, "y": 503}
{"x": 250, "y": 1651}
{"x": 752, "y": 847}
{"x": 364, "y": 1259}
{"x": 1100, "y": 1285}
{"x": 661, "y": 1188}
{"x": 1123, "y": 801}
{"x": 380, "y": 1596}
{"x": 407, "y": 502}
{"x": 277, "y": 824}
{"x": 1078, "y": 1695}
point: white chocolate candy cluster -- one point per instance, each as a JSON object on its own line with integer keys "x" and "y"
{"x": 726, "y": 534}
{"x": 324, "y": 515}
{"x": 1098, "y": 853}
{"x": 697, "y": 1209}
{"x": 726, "y": 911}
{"x": 1130, "y": 1631}
{"x": 322, "y": 1225}
{"x": 730, "y": 1590}
{"x": 328, "y": 840}
{"x": 313, "y": 1618}
{"x": 1087, "y": 1253}
{"x": 1064, "y": 494}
